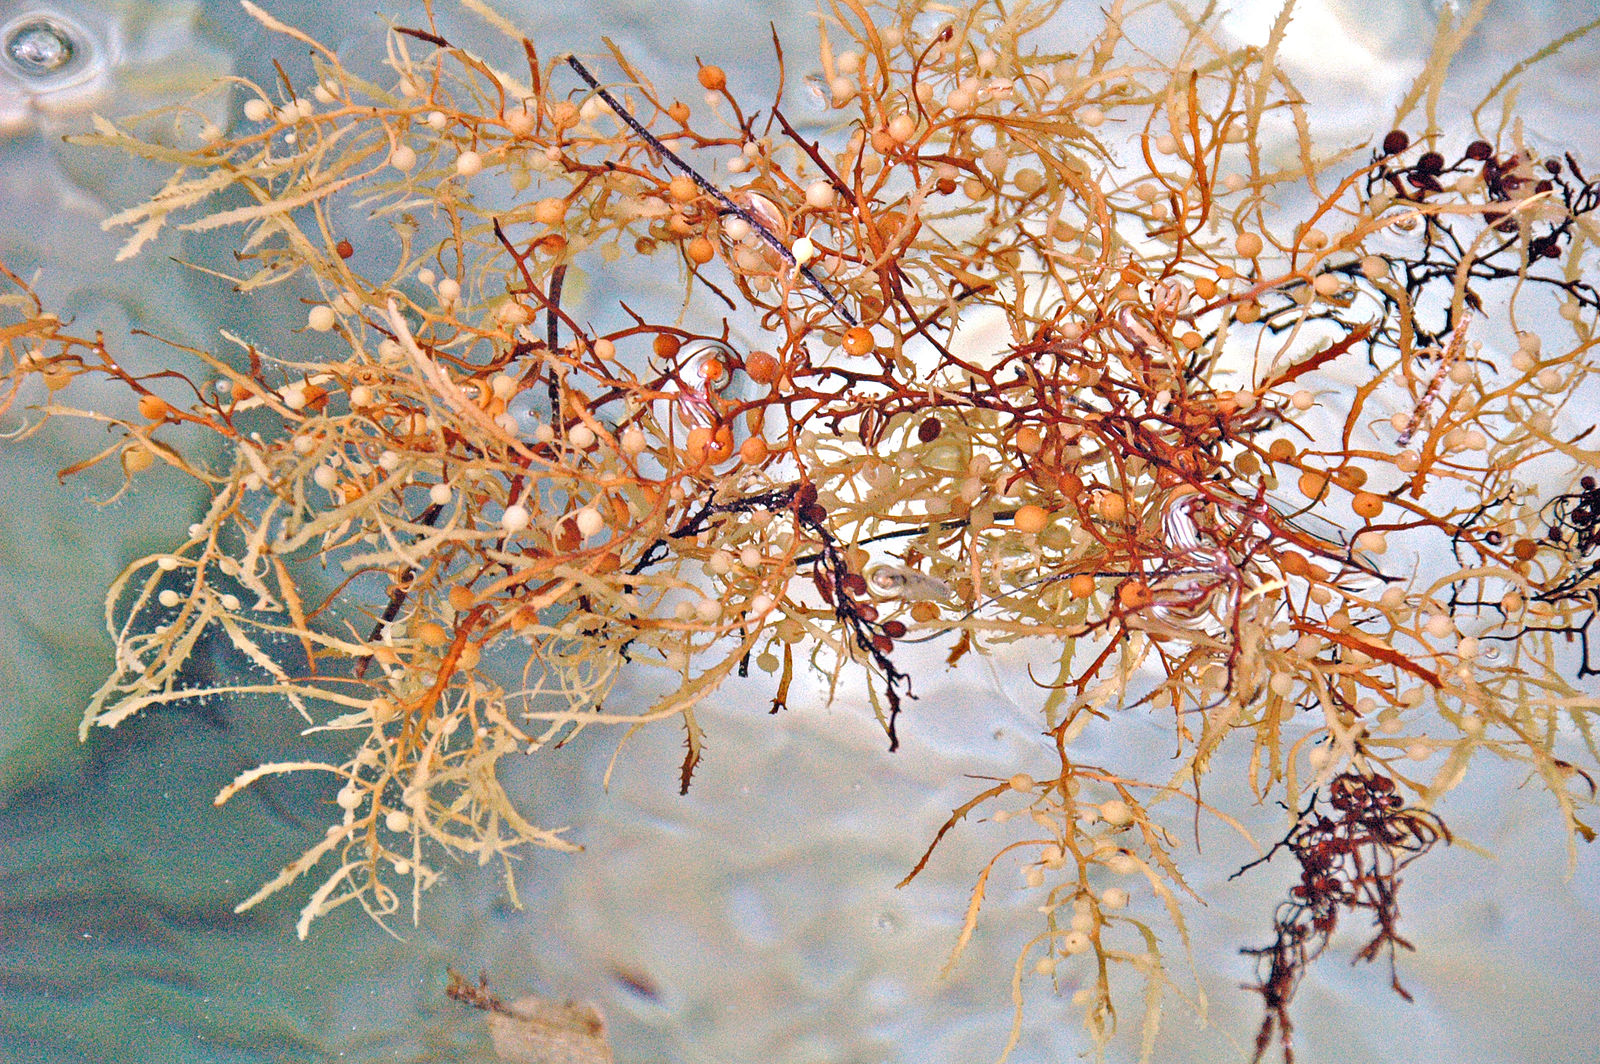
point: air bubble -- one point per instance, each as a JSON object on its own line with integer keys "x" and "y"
{"x": 40, "y": 48}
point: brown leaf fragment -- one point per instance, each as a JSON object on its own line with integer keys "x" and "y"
{"x": 537, "y": 1030}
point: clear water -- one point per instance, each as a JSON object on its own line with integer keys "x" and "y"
{"x": 754, "y": 920}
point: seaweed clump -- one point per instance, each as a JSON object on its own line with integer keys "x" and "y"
{"x": 1040, "y": 362}
{"x": 1349, "y": 861}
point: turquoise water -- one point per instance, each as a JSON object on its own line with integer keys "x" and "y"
{"x": 754, "y": 920}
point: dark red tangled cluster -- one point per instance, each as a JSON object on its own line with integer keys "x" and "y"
{"x": 1348, "y": 861}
